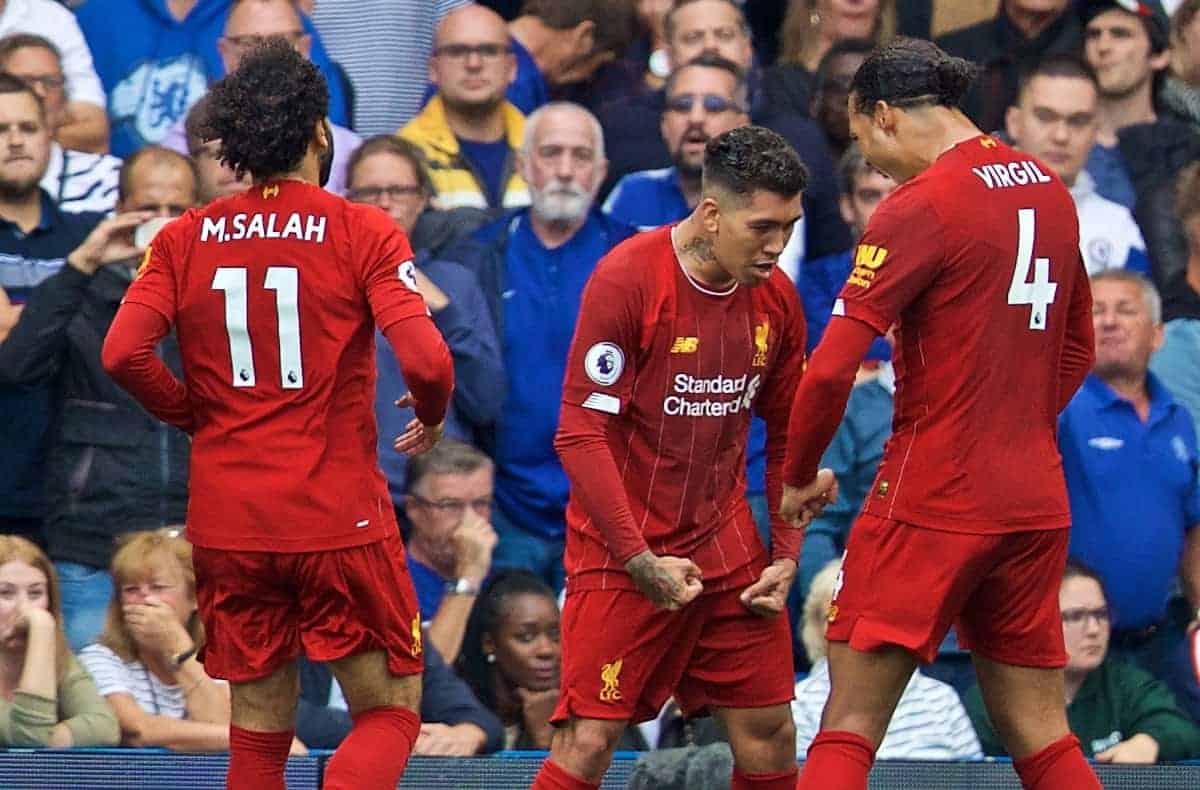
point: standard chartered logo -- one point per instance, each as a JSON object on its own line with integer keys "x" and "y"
{"x": 689, "y": 398}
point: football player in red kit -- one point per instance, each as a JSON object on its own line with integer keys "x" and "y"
{"x": 683, "y": 333}
{"x": 975, "y": 260}
{"x": 275, "y": 294}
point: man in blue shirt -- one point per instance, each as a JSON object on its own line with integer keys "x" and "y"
{"x": 704, "y": 98}
{"x": 533, "y": 265}
{"x": 1130, "y": 460}
{"x": 35, "y": 239}
{"x": 450, "y": 540}
{"x": 157, "y": 58}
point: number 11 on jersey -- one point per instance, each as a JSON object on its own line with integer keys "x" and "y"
{"x": 285, "y": 282}
{"x": 1039, "y": 294}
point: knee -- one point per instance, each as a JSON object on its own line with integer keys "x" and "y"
{"x": 590, "y": 743}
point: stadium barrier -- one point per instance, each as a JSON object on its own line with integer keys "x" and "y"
{"x": 155, "y": 769}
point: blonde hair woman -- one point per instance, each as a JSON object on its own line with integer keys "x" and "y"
{"x": 811, "y": 27}
{"x": 46, "y": 698}
{"x": 930, "y": 721}
{"x": 146, "y": 661}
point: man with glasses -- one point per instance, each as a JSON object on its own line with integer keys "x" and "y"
{"x": 75, "y": 180}
{"x": 449, "y": 508}
{"x": 704, "y": 98}
{"x": 468, "y": 131}
{"x": 112, "y": 468}
{"x": 250, "y": 23}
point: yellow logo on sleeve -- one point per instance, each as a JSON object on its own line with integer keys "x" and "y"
{"x": 610, "y": 674}
{"x": 867, "y": 260}
{"x": 685, "y": 345}
{"x": 144, "y": 265}
{"x": 416, "y": 635}
{"x": 762, "y": 333}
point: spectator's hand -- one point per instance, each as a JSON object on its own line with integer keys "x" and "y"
{"x": 109, "y": 242}
{"x": 1141, "y": 749}
{"x": 800, "y": 506}
{"x": 444, "y": 740}
{"x": 297, "y": 749}
{"x": 669, "y": 582}
{"x": 767, "y": 597}
{"x": 417, "y": 437}
{"x": 156, "y": 628}
{"x": 435, "y": 297}
{"x": 9, "y": 314}
{"x": 474, "y": 539}
{"x": 536, "y": 709}
{"x": 22, "y": 619}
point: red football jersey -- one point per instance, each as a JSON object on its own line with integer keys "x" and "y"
{"x": 976, "y": 263}
{"x": 272, "y": 294}
{"x": 678, "y": 368}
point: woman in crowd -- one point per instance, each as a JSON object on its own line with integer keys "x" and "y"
{"x": 145, "y": 662}
{"x": 46, "y": 698}
{"x": 511, "y": 657}
{"x": 1119, "y": 713}
{"x": 929, "y": 723}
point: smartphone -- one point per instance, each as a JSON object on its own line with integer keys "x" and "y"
{"x": 145, "y": 233}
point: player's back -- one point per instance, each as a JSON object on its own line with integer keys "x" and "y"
{"x": 277, "y": 339}
{"x": 983, "y": 293}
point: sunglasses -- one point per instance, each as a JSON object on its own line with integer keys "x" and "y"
{"x": 712, "y": 103}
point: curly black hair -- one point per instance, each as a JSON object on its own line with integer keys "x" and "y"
{"x": 265, "y": 111}
{"x": 744, "y": 160}
{"x": 911, "y": 72}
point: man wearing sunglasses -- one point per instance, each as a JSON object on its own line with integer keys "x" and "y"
{"x": 702, "y": 99}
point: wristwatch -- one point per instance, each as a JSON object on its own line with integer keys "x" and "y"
{"x": 462, "y": 586}
{"x": 179, "y": 660}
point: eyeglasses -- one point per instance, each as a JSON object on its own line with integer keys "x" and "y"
{"x": 47, "y": 82}
{"x": 1077, "y": 617}
{"x": 683, "y": 103}
{"x": 464, "y": 51}
{"x": 455, "y": 507}
{"x": 244, "y": 42}
{"x": 393, "y": 192}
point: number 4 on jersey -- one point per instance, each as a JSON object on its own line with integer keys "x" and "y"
{"x": 1038, "y": 294}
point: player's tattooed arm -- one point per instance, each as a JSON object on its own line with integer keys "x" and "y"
{"x": 669, "y": 582}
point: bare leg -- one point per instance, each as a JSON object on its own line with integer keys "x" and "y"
{"x": 584, "y": 747}
{"x": 763, "y": 739}
{"x": 1026, "y": 704}
{"x": 865, "y": 688}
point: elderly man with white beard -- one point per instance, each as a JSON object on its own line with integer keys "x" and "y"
{"x": 533, "y": 264}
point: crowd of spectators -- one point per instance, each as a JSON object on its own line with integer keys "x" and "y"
{"x": 516, "y": 143}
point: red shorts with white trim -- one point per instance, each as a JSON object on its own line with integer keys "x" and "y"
{"x": 262, "y": 609}
{"x": 905, "y": 585}
{"x": 623, "y": 658}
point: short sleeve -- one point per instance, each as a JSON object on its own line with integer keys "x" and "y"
{"x": 600, "y": 368}
{"x": 155, "y": 284}
{"x": 384, "y": 261}
{"x": 897, "y": 258}
{"x": 107, "y": 669}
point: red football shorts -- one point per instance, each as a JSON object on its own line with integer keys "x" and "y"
{"x": 262, "y": 609}
{"x": 905, "y": 585}
{"x": 623, "y": 658}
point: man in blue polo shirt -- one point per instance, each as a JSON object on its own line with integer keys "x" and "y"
{"x": 704, "y": 98}
{"x": 35, "y": 239}
{"x": 1130, "y": 460}
{"x": 533, "y": 264}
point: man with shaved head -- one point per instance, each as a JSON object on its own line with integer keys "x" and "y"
{"x": 112, "y": 468}
{"x": 469, "y": 132}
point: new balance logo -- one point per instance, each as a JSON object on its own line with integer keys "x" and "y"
{"x": 685, "y": 345}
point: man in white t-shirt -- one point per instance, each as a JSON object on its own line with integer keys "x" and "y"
{"x": 85, "y": 127}
{"x": 1055, "y": 119}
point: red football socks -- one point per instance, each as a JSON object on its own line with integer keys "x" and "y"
{"x": 257, "y": 759}
{"x": 373, "y": 755}
{"x": 837, "y": 759}
{"x": 554, "y": 777}
{"x": 783, "y": 781}
{"x": 1060, "y": 766}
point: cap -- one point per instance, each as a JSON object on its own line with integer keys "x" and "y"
{"x": 1158, "y": 24}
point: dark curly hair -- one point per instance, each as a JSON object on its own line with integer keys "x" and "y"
{"x": 910, "y": 72}
{"x": 265, "y": 111}
{"x": 744, "y": 160}
{"x": 489, "y": 610}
